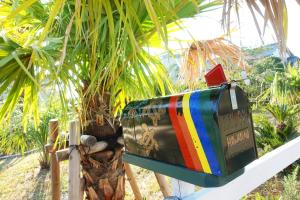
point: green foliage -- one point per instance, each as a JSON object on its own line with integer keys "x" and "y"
{"x": 262, "y": 76}
{"x": 13, "y": 138}
{"x": 270, "y": 63}
{"x": 39, "y": 137}
{"x": 291, "y": 186}
{"x": 282, "y": 112}
{"x": 271, "y": 81}
{"x": 15, "y": 141}
{"x": 279, "y": 92}
{"x": 266, "y": 136}
{"x": 86, "y": 48}
{"x": 277, "y": 126}
{"x": 260, "y": 197}
{"x": 285, "y": 87}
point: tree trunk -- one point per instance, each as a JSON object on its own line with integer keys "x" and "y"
{"x": 103, "y": 171}
{"x": 104, "y": 174}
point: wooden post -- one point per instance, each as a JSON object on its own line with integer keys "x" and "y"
{"x": 74, "y": 161}
{"x": 164, "y": 187}
{"x": 132, "y": 182}
{"x": 63, "y": 154}
{"x": 54, "y": 165}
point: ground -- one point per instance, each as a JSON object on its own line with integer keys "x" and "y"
{"x": 21, "y": 178}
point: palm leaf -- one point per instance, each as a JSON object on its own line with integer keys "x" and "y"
{"x": 274, "y": 12}
{"x": 203, "y": 55}
{"x": 103, "y": 51}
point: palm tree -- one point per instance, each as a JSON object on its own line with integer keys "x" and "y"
{"x": 97, "y": 48}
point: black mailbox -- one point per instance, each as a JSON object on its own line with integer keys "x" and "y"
{"x": 206, "y": 134}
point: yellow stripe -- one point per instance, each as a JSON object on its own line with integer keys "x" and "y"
{"x": 193, "y": 133}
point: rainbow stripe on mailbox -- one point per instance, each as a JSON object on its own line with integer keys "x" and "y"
{"x": 192, "y": 134}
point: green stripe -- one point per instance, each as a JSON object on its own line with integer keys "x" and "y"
{"x": 208, "y": 108}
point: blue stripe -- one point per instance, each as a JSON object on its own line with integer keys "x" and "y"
{"x": 202, "y": 133}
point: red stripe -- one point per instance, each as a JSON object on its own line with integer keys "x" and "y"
{"x": 189, "y": 142}
{"x": 179, "y": 135}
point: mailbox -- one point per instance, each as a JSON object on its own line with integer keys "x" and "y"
{"x": 206, "y": 133}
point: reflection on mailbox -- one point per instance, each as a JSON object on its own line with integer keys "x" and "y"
{"x": 207, "y": 131}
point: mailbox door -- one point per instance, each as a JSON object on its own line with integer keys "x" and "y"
{"x": 236, "y": 129}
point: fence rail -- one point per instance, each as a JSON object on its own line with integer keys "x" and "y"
{"x": 256, "y": 173}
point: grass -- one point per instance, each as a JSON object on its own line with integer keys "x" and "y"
{"x": 21, "y": 178}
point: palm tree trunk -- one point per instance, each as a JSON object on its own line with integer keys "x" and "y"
{"x": 104, "y": 174}
{"x": 103, "y": 171}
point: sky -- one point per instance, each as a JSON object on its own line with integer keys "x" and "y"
{"x": 207, "y": 26}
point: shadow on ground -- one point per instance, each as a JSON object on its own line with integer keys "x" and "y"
{"x": 41, "y": 186}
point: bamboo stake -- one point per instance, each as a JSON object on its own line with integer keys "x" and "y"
{"x": 164, "y": 187}
{"x": 74, "y": 161}
{"x": 54, "y": 165}
{"x": 62, "y": 155}
{"x": 132, "y": 182}
{"x": 49, "y": 147}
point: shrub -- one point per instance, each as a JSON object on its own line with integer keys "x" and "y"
{"x": 286, "y": 86}
{"x": 13, "y": 138}
{"x": 262, "y": 75}
{"x": 269, "y": 63}
{"x": 291, "y": 185}
{"x": 39, "y": 137}
{"x": 276, "y": 128}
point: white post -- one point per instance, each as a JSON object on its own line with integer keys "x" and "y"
{"x": 181, "y": 188}
{"x": 74, "y": 161}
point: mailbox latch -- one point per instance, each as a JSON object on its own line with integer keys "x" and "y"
{"x": 233, "y": 96}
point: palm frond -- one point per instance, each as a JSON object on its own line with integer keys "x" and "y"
{"x": 202, "y": 55}
{"x": 101, "y": 52}
{"x": 271, "y": 11}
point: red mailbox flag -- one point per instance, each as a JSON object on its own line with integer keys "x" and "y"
{"x": 215, "y": 76}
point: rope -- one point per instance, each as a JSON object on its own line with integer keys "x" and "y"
{"x": 71, "y": 148}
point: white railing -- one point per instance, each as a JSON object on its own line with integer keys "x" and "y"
{"x": 256, "y": 173}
